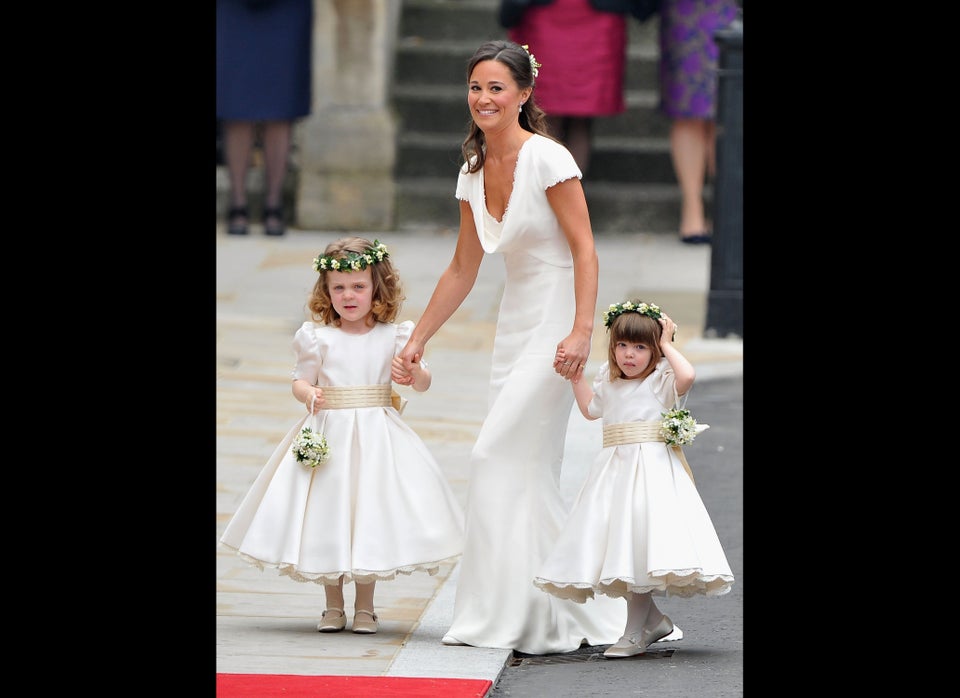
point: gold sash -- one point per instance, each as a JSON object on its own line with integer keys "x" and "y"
{"x": 353, "y": 396}
{"x": 639, "y": 432}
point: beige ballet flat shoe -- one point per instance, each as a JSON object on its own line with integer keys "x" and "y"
{"x": 361, "y": 625}
{"x": 626, "y": 646}
{"x": 660, "y": 630}
{"x": 632, "y": 645}
{"x": 332, "y": 625}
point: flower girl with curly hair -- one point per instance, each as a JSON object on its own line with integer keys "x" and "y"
{"x": 351, "y": 493}
{"x": 638, "y": 527}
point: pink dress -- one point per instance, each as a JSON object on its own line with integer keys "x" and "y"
{"x": 583, "y": 53}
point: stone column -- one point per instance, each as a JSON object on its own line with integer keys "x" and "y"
{"x": 347, "y": 146}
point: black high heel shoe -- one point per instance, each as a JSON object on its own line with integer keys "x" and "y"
{"x": 273, "y": 221}
{"x": 237, "y": 220}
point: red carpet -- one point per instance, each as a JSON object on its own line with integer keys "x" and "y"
{"x": 291, "y": 686}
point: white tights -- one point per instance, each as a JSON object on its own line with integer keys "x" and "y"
{"x": 641, "y": 613}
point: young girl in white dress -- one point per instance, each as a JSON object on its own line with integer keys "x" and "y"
{"x": 638, "y": 527}
{"x": 380, "y": 504}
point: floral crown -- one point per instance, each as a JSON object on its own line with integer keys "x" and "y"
{"x": 352, "y": 261}
{"x": 648, "y": 309}
{"x": 534, "y": 66}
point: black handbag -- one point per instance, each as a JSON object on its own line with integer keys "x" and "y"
{"x": 641, "y": 10}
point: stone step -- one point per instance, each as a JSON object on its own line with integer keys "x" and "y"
{"x": 613, "y": 159}
{"x": 428, "y": 203}
{"x": 470, "y": 22}
{"x": 630, "y": 185}
{"x": 436, "y": 108}
{"x": 444, "y": 62}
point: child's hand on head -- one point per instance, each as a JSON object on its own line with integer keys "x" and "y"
{"x": 669, "y": 333}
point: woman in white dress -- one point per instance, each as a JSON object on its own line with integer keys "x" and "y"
{"x": 520, "y": 196}
{"x": 380, "y": 505}
{"x": 638, "y": 527}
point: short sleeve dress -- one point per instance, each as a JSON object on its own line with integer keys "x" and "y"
{"x": 380, "y": 505}
{"x": 638, "y": 523}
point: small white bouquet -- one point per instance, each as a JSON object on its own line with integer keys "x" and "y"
{"x": 310, "y": 447}
{"x": 679, "y": 428}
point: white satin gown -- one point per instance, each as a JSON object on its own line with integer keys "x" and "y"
{"x": 380, "y": 506}
{"x": 514, "y": 505}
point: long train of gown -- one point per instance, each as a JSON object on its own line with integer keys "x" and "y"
{"x": 515, "y": 509}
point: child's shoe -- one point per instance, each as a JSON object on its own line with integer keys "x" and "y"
{"x": 364, "y": 625}
{"x": 332, "y": 625}
{"x": 632, "y": 645}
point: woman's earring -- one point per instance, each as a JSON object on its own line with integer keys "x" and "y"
{"x": 520, "y": 108}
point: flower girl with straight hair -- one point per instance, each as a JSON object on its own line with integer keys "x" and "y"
{"x": 638, "y": 527}
{"x": 351, "y": 493}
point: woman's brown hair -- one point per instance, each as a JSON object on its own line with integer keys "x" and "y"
{"x": 532, "y": 117}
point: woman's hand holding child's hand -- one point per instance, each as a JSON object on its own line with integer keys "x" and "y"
{"x": 402, "y": 373}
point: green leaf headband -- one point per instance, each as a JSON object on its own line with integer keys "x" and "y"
{"x": 352, "y": 261}
{"x": 648, "y": 309}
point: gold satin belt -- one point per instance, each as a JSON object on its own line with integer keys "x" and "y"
{"x": 631, "y": 433}
{"x": 639, "y": 432}
{"x": 356, "y": 396}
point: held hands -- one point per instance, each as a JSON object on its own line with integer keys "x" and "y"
{"x": 572, "y": 354}
{"x": 405, "y": 363}
{"x": 403, "y": 372}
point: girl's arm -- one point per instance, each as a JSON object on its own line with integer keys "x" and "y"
{"x": 584, "y": 394}
{"x": 302, "y": 390}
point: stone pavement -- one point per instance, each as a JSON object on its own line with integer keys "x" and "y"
{"x": 267, "y": 623}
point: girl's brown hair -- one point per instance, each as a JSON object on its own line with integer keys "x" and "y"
{"x": 634, "y": 328}
{"x": 387, "y": 290}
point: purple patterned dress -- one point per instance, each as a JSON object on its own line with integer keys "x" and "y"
{"x": 688, "y": 56}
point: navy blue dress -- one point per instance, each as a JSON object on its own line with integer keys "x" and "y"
{"x": 264, "y": 59}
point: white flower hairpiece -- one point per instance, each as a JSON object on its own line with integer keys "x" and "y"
{"x": 534, "y": 66}
{"x": 310, "y": 448}
{"x": 648, "y": 309}
{"x": 352, "y": 261}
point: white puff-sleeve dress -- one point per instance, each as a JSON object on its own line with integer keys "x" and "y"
{"x": 379, "y": 506}
{"x": 638, "y": 523}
